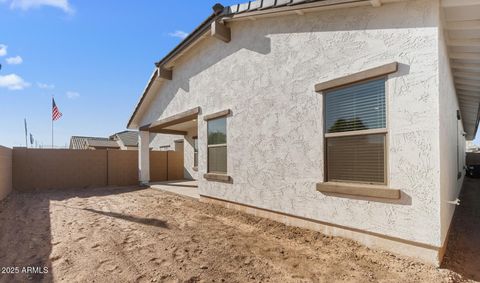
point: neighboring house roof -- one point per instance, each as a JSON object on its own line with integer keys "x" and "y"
{"x": 128, "y": 138}
{"x": 77, "y": 142}
{"x": 223, "y": 13}
{"x": 80, "y": 142}
{"x": 102, "y": 143}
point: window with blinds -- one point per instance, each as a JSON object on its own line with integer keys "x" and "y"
{"x": 217, "y": 145}
{"x": 195, "y": 152}
{"x": 355, "y": 126}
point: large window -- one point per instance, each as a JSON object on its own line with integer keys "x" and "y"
{"x": 355, "y": 126}
{"x": 217, "y": 145}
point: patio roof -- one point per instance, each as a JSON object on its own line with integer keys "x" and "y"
{"x": 169, "y": 125}
{"x": 462, "y": 26}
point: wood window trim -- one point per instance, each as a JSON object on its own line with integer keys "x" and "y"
{"x": 358, "y": 77}
{"x": 359, "y": 189}
{"x": 217, "y": 177}
{"x": 218, "y": 114}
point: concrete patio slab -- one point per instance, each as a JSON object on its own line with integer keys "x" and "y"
{"x": 188, "y": 188}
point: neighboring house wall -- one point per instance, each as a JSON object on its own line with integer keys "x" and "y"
{"x": 452, "y": 142}
{"x": 5, "y": 172}
{"x": 266, "y": 75}
{"x": 158, "y": 140}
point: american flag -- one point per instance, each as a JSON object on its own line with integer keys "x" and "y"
{"x": 56, "y": 114}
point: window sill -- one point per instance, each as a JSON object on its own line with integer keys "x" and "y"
{"x": 217, "y": 177}
{"x": 364, "y": 190}
{"x": 195, "y": 168}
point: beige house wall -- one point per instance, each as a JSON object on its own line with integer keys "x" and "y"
{"x": 5, "y": 171}
{"x": 266, "y": 75}
{"x": 452, "y": 142}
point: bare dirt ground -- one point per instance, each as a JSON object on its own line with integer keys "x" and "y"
{"x": 144, "y": 235}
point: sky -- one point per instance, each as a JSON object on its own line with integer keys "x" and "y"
{"x": 94, "y": 57}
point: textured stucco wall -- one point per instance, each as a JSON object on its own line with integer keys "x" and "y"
{"x": 188, "y": 151}
{"x": 266, "y": 75}
{"x": 452, "y": 142}
{"x": 5, "y": 171}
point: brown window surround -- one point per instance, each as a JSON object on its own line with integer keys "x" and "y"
{"x": 358, "y": 77}
{"x": 217, "y": 114}
{"x": 358, "y": 189}
{"x": 218, "y": 177}
{"x": 212, "y": 176}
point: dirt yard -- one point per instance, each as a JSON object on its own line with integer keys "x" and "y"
{"x": 144, "y": 235}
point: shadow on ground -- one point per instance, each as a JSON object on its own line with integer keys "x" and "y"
{"x": 25, "y": 238}
{"x": 463, "y": 250}
{"x": 140, "y": 220}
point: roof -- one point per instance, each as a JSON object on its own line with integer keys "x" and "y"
{"x": 221, "y": 12}
{"x": 102, "y": 142}
{"x": 81, "y": 142}
{"x": 128, "y": 138}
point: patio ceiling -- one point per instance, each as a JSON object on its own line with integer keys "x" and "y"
{"x": 462, "y": 26}
{"x": 177, "y": 124}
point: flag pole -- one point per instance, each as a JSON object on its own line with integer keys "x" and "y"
{"x": 52, "y": 122}
{"x": 25, "y": 122}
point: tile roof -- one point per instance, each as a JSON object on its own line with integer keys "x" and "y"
{"x": 263, "y": 5}
{"x": 80, "y": 142}
{"x": 128, "y": 138}
{"x": 102, "y": 142}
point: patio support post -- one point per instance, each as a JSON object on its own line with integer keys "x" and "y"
{"x": 144, "y": 157}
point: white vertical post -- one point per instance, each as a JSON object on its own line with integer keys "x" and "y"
{"x": 144, "y": 157}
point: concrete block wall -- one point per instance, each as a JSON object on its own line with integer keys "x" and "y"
{"x": 5, "y": 172}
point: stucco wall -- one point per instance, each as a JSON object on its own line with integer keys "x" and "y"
{"x": 188, "y": 144}
{"x": 266, "y": 75}
{"x": 452, "y": 142}
{"x": 5, "y": 171}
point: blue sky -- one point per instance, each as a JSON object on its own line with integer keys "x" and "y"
{"x": 95, "y": 57}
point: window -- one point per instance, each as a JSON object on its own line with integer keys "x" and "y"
{"x": 195, "y": 152}
{"x": 355, "y": 126}
{"x": 217, "y": 145}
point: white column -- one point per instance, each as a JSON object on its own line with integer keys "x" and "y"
{"x": 144, "y": 157}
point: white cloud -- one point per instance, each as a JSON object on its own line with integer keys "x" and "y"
{"x": 14, "y": 60}
{"x": 45, "y": 86}
{"x": 178, "y": 33}
{"x": 3, "y": 50}
{"x": 29, "y": 4}
{"x": 73, "y": 94}
{"x": 13, "y": 82}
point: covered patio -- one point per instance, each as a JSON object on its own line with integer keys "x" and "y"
{"x": 184, "y": 124}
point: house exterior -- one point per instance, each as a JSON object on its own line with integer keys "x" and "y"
{"x": 347, "y": 117}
